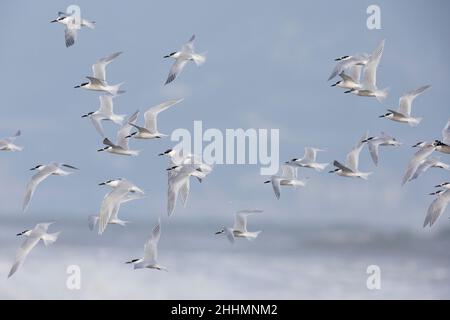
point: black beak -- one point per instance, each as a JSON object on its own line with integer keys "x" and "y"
{"x": 218, "y": 232}
{"x": 101, "y": 184}
{"x": 382, "y": 116}
{"x": 167, "y": 56}
{"x": 100, "y": 150}
{"x": 161, "y": 154}
{"x": 77, "y": 86}
{"x": 53, "y": 21}
{"x": 268, "y": 181}
{"x": 348, "y": 91}
{"x": 334, "y": 85}
{"x": 33, "y": 169}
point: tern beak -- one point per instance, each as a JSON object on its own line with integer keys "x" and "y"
{"x": 53, "y": 21}
{"x": 77, "y": 86}
{"x": 101, "y": 184}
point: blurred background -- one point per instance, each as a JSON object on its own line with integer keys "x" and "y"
{"x": 267, "y": 65}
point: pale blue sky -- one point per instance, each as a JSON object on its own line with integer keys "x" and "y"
{"x": 267, "y": 68}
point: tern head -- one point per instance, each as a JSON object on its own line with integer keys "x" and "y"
{"x": 111, "y": 183}
{"x": 439, "y": 143}
{"x": 130, "y": 135}
{"x": 38, "y": 167}
{"x": 368, "y": 139}
{"x": 132, "y": 261}
{"x": 82, "y": 85}
{"x": 342, "y": 58}
{"x": 335, "y": 84}
{"x": 419, "y": 144}
{"x": 221, "y": 231}
{"x": 168, "y": 152}
{"x": 58, "y": 19}
{"x": 443, "y": 185}
{"x": 386, "y": 115}
{"x": 170, "y": 55}
{"x": 23, "y": 233}
{"x": 87, "y": 114}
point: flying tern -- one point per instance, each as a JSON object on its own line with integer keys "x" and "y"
{"x": 182, "y": 57}
{"x": 239, "y": 230}
{"x": 150, "y": 252}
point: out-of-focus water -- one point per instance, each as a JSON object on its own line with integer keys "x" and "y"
{"x": 286, "y": 262}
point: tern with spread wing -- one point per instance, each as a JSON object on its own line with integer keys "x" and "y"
{"x": 403, "y": 113}
{"x": 178, "y": 177}
{"x": 150, "y": 129}
{"x": 7, "y": 144}
{"x": 44, "y": 171}
{"x": 426, "y": 149}
{"x": 150, "y": 252}
{"x": 239, "y": 230}
{"x": 350, "y": 169}
{"x": 369, "y": 83}
{"x": 309, "y": 160}
{"x": 288, "y": 177}
{"x": 121, "y": 189}
{"x": 72, "y": 22}
{"x": 105, "y": 112}
{"x": 97, "y": 82}
{"x": 121, "y": 146}
{"x": 182, "y": 57}
{"x": 375, "y": 142}
{"x": 33, "y": 236}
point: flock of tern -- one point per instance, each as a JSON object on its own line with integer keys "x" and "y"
{"x": 358, "y": 76}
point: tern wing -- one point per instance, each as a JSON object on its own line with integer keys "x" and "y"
{"x": 188, "y": 47}
{"x": 446, "y": 133}
{"x": 23, "y": 252}
{"x": 176, "y": 68}
{"x": 436, "y": 208}
{"x": 370, "y": 70}
{"x": 416, "y": 161}
{"x": 70, "y": 35}
{"x": 406, "y": 100}
{"x": 151, "y": 246}
{"x": 353, "y": 156}
{"x": 151, "y": 114}
{"x": 34, "y": 182}
{"x": 99, "y": 68}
